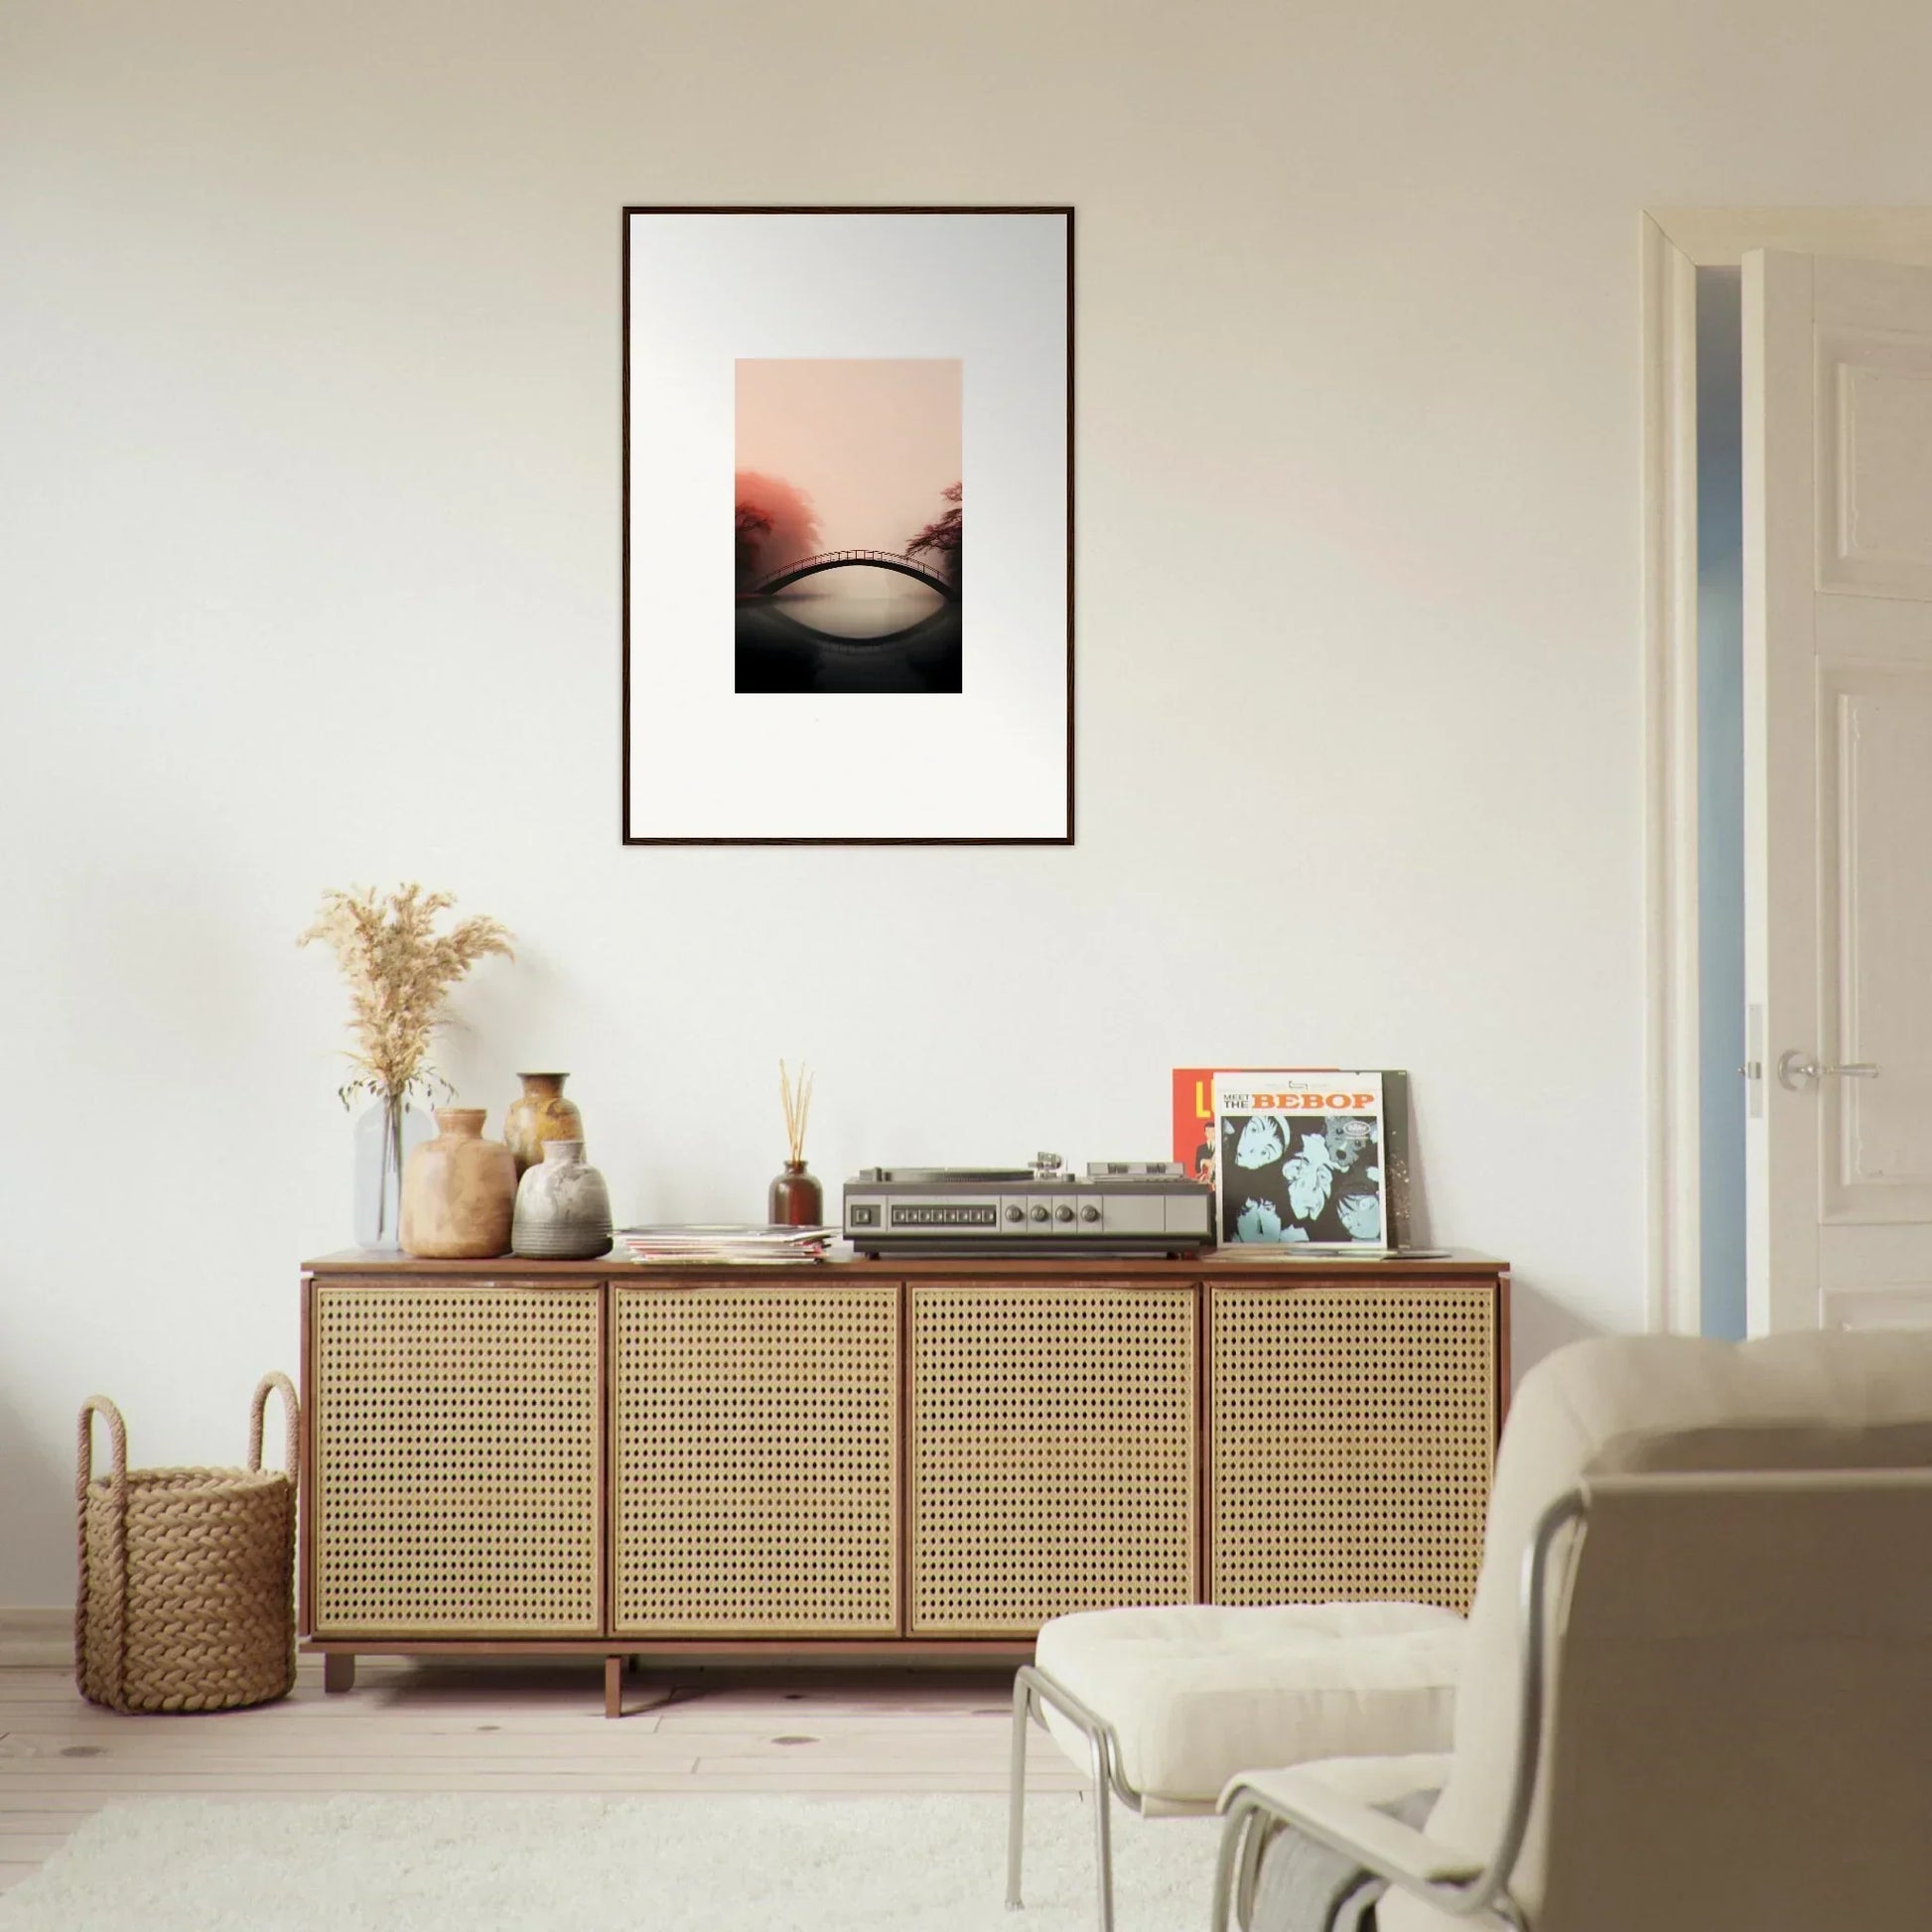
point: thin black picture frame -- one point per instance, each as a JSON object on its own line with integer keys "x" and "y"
{"x": 631, "y": 836}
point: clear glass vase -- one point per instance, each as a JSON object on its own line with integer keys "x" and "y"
{"x": 385, "y": 1134}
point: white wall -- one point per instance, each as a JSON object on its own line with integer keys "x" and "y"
{"x": 308, "y": 575}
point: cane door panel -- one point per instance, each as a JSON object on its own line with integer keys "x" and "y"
{"x": 755, "y": 1434}
{"x": 1053, "y": 1451}
{"x": 457, "y": 1460}
{"x": 1351, "y": 1437}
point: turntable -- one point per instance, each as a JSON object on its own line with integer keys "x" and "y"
{"x": 1122, "y": 1207}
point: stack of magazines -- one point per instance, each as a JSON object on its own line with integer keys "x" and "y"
{"x": 724, "y": 1241}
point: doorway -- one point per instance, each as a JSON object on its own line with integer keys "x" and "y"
{"x": 1707, "y": 1073}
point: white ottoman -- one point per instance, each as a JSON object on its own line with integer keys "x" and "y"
{"x": 1165, "y": 1705}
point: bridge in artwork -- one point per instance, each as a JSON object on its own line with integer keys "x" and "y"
{"x": 782, "y": 578}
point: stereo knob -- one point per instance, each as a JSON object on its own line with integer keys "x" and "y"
{"x": 1039, "y": 1213}
{"x": 1062, "y": 1213}
{"x": 1014, "y": 1213}
{"x": 1089, "y": 1212}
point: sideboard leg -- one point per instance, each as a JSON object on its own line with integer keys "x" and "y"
{"x": 614, "y": 1687}
{"x": 338, "y": 1671}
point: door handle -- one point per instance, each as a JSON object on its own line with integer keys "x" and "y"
{"x": 1798, "y": 1069}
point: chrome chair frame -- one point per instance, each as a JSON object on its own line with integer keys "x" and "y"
{"x": 1254, "y": 1817}
{"x": 1031, "y": 1689}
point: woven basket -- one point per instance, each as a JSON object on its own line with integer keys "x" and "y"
{"x": 185, "y": 1599}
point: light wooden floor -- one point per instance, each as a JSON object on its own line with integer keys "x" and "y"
{"x": 496, "y": 1726}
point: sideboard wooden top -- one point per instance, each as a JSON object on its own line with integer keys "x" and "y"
{"x": 1221, "y": 1264}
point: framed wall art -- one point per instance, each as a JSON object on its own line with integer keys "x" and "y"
{"x": 851, "y": 384}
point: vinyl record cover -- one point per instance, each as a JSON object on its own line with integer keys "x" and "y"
{"x": 1315, "y": 1156}
{"x": 1300, "y": 1159}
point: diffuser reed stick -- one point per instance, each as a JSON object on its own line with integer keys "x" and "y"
{"x": 797, "y": 1097}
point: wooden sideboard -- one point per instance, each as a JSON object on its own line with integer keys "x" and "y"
{"x": 888, "y": 1459}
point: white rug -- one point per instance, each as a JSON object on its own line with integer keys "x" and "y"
{"x": 671, "y": 1863}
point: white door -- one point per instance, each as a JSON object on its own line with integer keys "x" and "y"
{"x": 1838, "y": 789}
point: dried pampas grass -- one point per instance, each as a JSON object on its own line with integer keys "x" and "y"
{"x": 400, "y": 970}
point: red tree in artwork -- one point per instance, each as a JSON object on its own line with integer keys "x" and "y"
{"x": 753, "y": 527}
{"x": 941, "y": 538}
{"x": 774, "y": 526}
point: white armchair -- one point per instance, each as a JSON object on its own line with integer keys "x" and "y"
{"x": 1698, "y": 1687}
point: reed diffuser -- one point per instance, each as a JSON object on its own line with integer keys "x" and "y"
{"x": 795, "y": 1200}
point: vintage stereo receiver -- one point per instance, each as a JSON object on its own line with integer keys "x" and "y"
{"x": 1123, "y": 1208}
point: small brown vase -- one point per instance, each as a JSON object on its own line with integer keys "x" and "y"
{"x": 459, "y": 1191}
{"x": 796, "y": 1200}
{"x": 539, "y": 1114}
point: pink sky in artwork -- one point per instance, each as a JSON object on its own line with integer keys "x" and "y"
{"x": 870, "y": 443}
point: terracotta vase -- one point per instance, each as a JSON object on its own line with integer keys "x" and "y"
{"x": 459, "y": 1191}
{"x": 796, "y": 1199}
{"x": 540, "y": 1113}
{"x": 563, "y": 1208}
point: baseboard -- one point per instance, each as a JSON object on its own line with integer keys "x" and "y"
{"x": 37, "y": 1640}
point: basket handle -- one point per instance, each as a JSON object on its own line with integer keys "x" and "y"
{"x": 116, "y": 1634}
{"x": 98, "y": 1404}
{"x": 274, "y": 1379}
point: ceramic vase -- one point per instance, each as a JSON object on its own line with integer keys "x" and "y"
{"x": 539, "y": 1114}
{"x": 563, "y": 1208}
{"x": 796, "y": 1199}
{"x": 385, "y": 1136}
{"x": 459, "y": 1191}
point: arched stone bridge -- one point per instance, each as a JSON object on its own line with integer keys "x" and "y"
{"x": 779, "y": 580}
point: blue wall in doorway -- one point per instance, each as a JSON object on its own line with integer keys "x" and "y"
{"x": 1721, "y": 799}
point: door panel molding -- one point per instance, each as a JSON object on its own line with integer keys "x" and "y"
{"x": 1874, "y": 441}
{"x": 1872, "y": 725}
